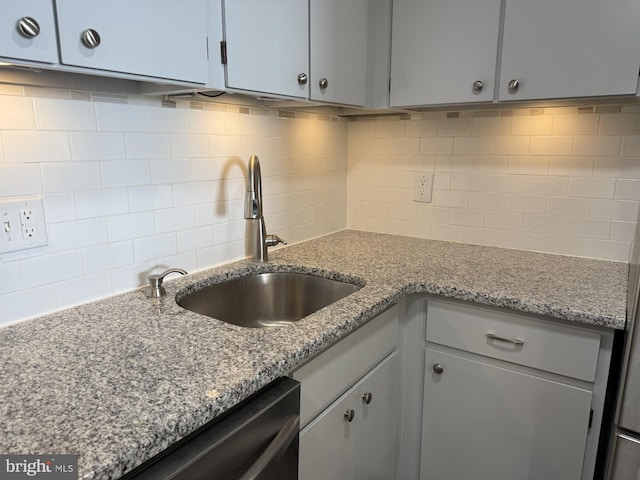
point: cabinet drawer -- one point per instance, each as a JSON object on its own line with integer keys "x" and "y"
{"x": 334, "y": 371}
{"x": 568, "y": 351}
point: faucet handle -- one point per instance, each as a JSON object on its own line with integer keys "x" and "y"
{"x": 273, "y": 240}
{"x": 155, "y": 288}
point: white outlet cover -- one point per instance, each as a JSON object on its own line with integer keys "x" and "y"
{"x": 12, "y": 229}
{"x": 422, "y": 187}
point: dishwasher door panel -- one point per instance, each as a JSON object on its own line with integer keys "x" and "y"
{"x": 258, "y": 440}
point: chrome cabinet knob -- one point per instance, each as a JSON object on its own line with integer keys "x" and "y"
{"x": 349, "y": 415}
{"x": 28, "y": 27}
{"x": 90, "y": 38}
{"x": 514, "y": 85}
{"x": 437, "y": 368}
{"x": 478, "y": 85}
{"x": 324, "y": 83}
{"x": 367, "y": 397}
{"x": 302, "y": 79}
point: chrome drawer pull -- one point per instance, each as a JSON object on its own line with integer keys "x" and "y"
{"x": 514, "y": 341}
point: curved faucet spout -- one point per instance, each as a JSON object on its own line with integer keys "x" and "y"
{"x": 253, "y": 196}
{"x": 253, "y": 212}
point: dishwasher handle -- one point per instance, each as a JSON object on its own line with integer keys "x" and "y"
{"x": 275, "y": 449}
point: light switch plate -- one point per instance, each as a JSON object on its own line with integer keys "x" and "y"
{"x": 22, "y": 224}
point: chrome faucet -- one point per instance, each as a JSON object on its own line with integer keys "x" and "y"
{"x": 260, "y": 241}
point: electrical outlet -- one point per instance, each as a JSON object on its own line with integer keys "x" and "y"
{"x": 422, "y": 187}
{"x": 22, "y": 224}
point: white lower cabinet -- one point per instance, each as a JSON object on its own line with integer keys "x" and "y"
{"x": 487, "y": 422}
{"x": 349, "y": 403}
{"x": 355, "y": 438}
{"x": 509, "y": 396}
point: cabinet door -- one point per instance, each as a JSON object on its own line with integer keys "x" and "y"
{"x": 267, "y": 46}
{"x": 333, "y": 448}
{"x": 326, "y": 444}
{"x": 169, "y": 43}
{"x": 22, "y": 46}
{"x": 377, "y": 422}
{"x": 338, "y": 45}
{"x": 486, "y": 422}
{"x": 440, "y": 48}
{"x": 626, "y": 461}
{"x": 570, "y": 48}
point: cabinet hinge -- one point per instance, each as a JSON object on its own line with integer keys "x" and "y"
{"x": 590, "y": 417}
{"x": 223, "y": 52}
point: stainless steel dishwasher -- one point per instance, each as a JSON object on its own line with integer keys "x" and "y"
{"x": 258, "y": 440}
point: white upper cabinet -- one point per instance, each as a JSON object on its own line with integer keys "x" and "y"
{"x": 28, "y": 32}
{"x": 338, "y": 45}
{"x": 443, "y": 51}
{"x": 155, "y": 38}
{"x": 267, "y": 46}
{"x": 570, "y": 48}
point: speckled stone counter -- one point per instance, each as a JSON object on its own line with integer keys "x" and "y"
{"x": 119, "y": 380}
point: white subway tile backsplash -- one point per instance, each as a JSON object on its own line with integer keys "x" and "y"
{"x": 77, "y": 234}
{"x": 113, "y": 117}
{"x": 448, "y": 233}
{"x": 607, "y": 250}
{"x": 100, "y": 203}
{"x": 487, "y": 200}
{"x": 155, "y": 246}
{"x": 542, "y": 185}
{"x": 623, "y": 231}
{"x": 521, "y": 240}
{"x": 36, "y": 146}
{"x": 604, "y": 145}
{"x": 147, "y": 145}
{"x": 83, "y": 289}
{"x": 9, "y": 278}
{"x": 27, "y": 303}
{"x": 55, "y": 114}
{"x": 167, "y": 120}
{"x": 97, "y": 146}
{"x": 630, "y": 145}
{"x": 206, "y": 122}
{"x": 50, "y": 268}
{"x": 472, "y": 145}
{"x": 418, "y": 128}
{"x": 20, "y": 180}
{"x": 481, "y": 236}
{"x": 619, "y": 124}
{"x": 150, "y": 197}
{"x": 195, "y": 238}
{"x": 614, "y": 209}
{"x": 571, "y": 166}
{"x": 126, "y": 227}
{"x": 592, "y": 187}
{"x": 171, "y": 171}
{"x": 18, "y": 113}
{"x": 510, "y": 145}
{"x": 575, "y": 124}
{"x": 174, "y": 219}
{"x": 132, "y": 276}
{"x": 587, "y": 228}
{"x": 562, "y": 245}
{"x": 469, "y": 217}
{"x": 455, "y": 127}
{"x": 69, "y": 177}
{"x": 528, "y": 165}
{"x": 448, "y": 198}
{"x": 107, "y": 256}
{"x": 618, "y": 167}
{"x": 627, "y": 189}
{"x": 468, "y": 182}
{"x": 526, "y": 203}
{"x": 125, "y": 173}
{"x": 551, "y": 145}
{"x": 568, "y": 206}
{"x": 532, "y": 125}
{"x": 437, "y": 146}
{"x": 506, "y": 183}
{"x": 188, "y": 146}
{"x": 491, "y": 126}
{"x": 543, "y": 223}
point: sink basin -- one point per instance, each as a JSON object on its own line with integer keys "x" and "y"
{"x": 266, "y": 299}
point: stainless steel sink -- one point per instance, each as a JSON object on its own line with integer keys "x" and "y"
{"x": 266, "y": 299}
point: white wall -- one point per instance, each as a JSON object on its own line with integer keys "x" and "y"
{"x": 561, "y": 180}
{"x": 131, "y": 188}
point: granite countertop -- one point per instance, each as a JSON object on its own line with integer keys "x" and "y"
{"x": 119, "y": 380}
